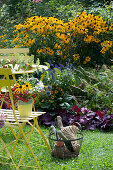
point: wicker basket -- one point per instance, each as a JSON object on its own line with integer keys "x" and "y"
{"x": 64, "y": 148}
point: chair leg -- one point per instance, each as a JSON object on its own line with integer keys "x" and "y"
{"x": 8, "y": 153}
{"x": 38, "y": 127}
{"x": 28, "y": 145}
{"x": 40, "y": 132}
{"x": 17, "y": 138}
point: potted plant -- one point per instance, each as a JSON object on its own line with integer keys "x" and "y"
{"x": 25, "y": 94}
{"x": 23, "y": 97}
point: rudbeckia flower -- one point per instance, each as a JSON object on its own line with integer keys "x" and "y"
{"x": 19, "y": 88}
{"x": 27, "y": 86}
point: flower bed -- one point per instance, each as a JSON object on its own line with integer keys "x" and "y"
{"x": 90, "y": 120}
{"x": 85, "y": 40}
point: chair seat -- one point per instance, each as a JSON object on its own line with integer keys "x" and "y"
{"x": 10, "y": 116}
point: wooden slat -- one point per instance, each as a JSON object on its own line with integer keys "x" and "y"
{"x": 10, "y": 116}
{"x": 8, "y": 53}
{"x": 14, "y": 50}
{"x": 6, "y": 83}
{"x": 5, "y": 71}
{"x": 9, "y": 57}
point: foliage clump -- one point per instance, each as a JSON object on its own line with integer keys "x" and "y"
{"x": 91, "y": 88}
{"x": 85, "y": 40}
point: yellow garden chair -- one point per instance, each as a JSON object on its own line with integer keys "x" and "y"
{"x": 13, "y": 119}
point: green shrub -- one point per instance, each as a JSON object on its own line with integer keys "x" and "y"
{"x": 86, "y": 40}
{"x": 92, "y": 88}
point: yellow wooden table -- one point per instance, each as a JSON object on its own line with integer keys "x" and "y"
{"x": 21, "y": 71}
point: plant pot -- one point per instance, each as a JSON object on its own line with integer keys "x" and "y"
{"x": 25, "y": 108}
{"x": 60, "y": 144}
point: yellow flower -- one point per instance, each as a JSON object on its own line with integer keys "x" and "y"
{"x": 4, "y": 41}
{"x": 52, "y": 96}
{"x": 87, "y": 59}
{"x": 76, "y": 57}
{"x": 106, "y": 45}
{"x": 39, "y": 51}
{"x": 16, "y": 46}
{"x": 56, "y": 91}
{"x": 59, "y": 52}
{"x": 19, "y": 88}
{"x": 111, "y": 27}
{"x": 57, "y": 46}
{"x": 19, "y": 26}
{"x": 84, "y": 62}
{"x": 27, "y": 86}
{"x": 15, "y": 39}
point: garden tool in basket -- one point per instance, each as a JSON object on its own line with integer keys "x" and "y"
{"x": 70, "y": 132}
{"x": 60, "y": 136}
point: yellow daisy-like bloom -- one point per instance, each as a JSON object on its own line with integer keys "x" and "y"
{"x": 106, "y": 45}
{"x": 19, "y": 88}
{"x": 59, "y": 52}
{"x": 16, "y": 46}
{"x": 84, "y": 62}
{"x": 52, "y": 96}
{"x": 87, "y": 59}
{"x": 27, "y": 86}
{"x": 39, "y": 51}
{"x": 111, "y": 27}
{"x": 56, "y": 91}
{"x": 76, "y": 57}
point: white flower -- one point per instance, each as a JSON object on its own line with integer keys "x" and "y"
{"x": 40, "y": 85}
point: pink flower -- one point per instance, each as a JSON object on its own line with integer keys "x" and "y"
{"x": 2, "y": 116}
{"x": 84, "y": 110}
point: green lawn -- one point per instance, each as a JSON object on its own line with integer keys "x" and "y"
{"x": 96, "y": 152}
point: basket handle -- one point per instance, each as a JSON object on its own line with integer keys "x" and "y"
{"x": 78, "y": 124}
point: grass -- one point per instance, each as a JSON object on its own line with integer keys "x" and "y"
{"x": 96, "y": 152}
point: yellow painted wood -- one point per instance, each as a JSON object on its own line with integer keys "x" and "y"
{"x": 8, "y": 53}
{"x": 7, "y": 151}
{"x": 14, "y": 50}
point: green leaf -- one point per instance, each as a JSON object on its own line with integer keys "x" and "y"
{"x": 38, "y": 62}
{"x": 48, "y": 65}
{"x": 58, "y": 71}
{"x": 69, "y": 97}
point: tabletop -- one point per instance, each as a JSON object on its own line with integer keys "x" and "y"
{"x": 21, "y": 71}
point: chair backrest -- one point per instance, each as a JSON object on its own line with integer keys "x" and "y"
{"x": 10, "y": 53}
{"x": 7, "y": 80}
